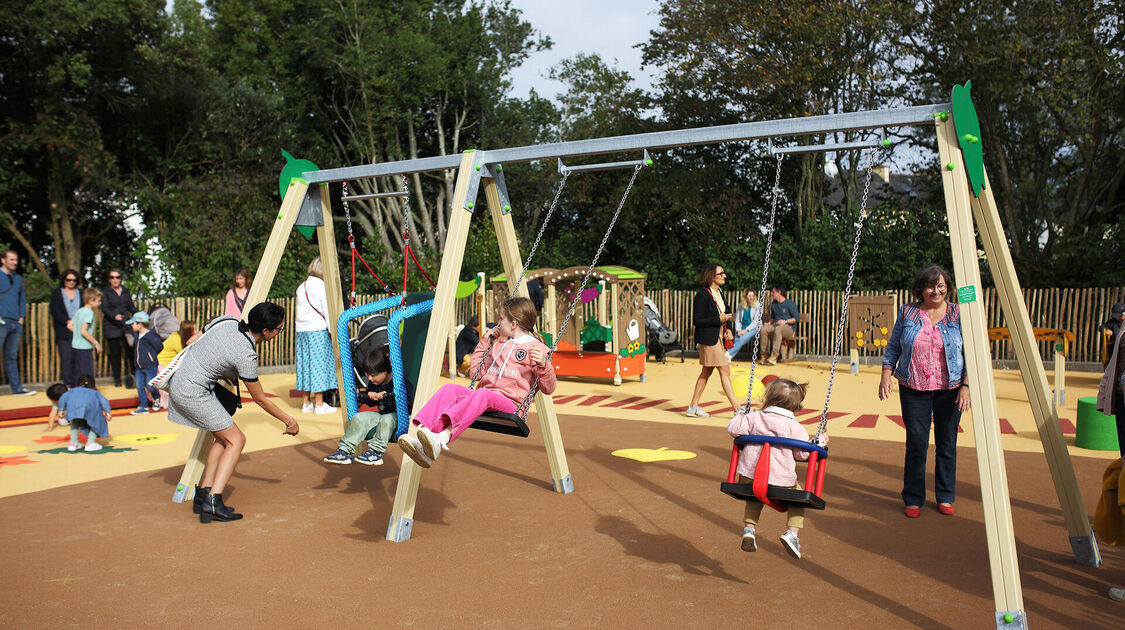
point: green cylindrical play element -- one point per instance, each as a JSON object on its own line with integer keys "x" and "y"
{"x": 1096, "y": 431}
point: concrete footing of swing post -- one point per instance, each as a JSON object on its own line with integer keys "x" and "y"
{"x": 1086, "y": 550}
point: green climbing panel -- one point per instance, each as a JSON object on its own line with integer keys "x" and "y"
{"x": 968, "y": 135}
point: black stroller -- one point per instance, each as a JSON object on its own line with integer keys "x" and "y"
{"x": 661, "y": 338}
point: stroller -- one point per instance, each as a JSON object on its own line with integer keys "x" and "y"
{"x": 661, "y": 338}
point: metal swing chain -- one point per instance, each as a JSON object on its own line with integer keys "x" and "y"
{"x": 530, "y": 255}
{"x": 765, "y": 273}
{"x": 847, "y": 295}
{"x": 522, "y": 410}
{"x": 542, "y": 228}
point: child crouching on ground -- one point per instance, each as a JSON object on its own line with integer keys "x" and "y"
{"x": 374, "y": 426}
{"x": 54, "y": 393}
{"x": 88, "y": 412}
{"x": 782, "y": 398}
{"x": 511, "y": 368}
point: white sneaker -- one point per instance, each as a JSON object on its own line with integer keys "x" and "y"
{"x": 92, "y": 446}
{"x": 325, "y": 408}
{"x": 695, "y": 411}
{"x": 413, "y": 450}
{"x": 73, "y": 446}
{"x": 749, "y": 540}
{"x": 430, "y": 443}
{"x": 792, "y": 544}
{"x": 307, "y": 408}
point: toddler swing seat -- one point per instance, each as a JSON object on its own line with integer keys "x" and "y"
{"x": 500, "y": 422}
{"x": 777, "y": 497}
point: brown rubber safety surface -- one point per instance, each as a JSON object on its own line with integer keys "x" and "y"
{"x": 638, "y": 545}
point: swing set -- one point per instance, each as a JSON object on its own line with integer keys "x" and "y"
{"x": 969, "y": 203}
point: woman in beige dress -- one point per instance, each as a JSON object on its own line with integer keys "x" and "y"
{"x": 710, "y": 316}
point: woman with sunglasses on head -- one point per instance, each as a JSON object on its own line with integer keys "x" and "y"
{"x": 65, "y": 302}
{"x": 710, "y": 317}
{"x": 225, "y": 350}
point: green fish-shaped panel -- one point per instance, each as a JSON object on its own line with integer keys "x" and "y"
{"x": 295, "y": 168}
{"x": 968, "y": 135}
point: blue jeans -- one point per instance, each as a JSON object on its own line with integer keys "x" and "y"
{"x": 742, "y": 340}
{"x": 144, "y": 375}
{"x": 10, "y": 332}
{"x": 918, "y": 409}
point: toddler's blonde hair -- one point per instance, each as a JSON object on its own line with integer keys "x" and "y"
{"x": 785, "y": 393}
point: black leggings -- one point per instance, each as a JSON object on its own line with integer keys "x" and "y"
{"x": 120, "y": 354}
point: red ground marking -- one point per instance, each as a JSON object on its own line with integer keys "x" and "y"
{"x": 592, "y": 400}
{"x": 624, "y": 401}
{"x": 897, "y": 420}
{"x": 649, "y": 403}
{"x": 56, "y": 439}
{"x": 727, "y": 409}
{"x": 1067, "y": 425}
{"x": 713, "y": 402}
{"x": 816, "y": 418}
{"x": 804, "y": 411}
{"x": 562, "y": 400}
{"x": 1006, "y": 427}
{"x": 677, "y": 409}
{"x": 866, "y": 421}
{"x": 16, "y": 461}
{"x": 769, "y": 378}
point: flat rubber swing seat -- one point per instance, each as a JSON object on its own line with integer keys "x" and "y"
{"x": 779, "y": 498}
{"x": 499, "y": 422}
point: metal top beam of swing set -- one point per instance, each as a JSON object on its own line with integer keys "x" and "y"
{"x": 830, "y": 123}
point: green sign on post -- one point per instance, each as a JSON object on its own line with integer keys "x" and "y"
{"x": 967, "y": 294}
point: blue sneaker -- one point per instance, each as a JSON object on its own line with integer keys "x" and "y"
{"x": 138, "y": 411}
{"x": 370, "y": 457}
{"x": 339, "y": 457}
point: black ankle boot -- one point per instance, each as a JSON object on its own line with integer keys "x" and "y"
{"x": 201, "y": 493}
{"x": 213, "y": 508}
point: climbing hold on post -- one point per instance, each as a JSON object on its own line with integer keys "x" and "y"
{"x": 499, "y": 167}
{"x": 950, "y": 166}
{"x": 469, "y": 205}
{"x": 886, "y": 143}
{"x": 648, "y": 162}
{"x": 507, "y": 208}
{"x": 478, "y": 167}
{"x": 1008, "y": 618}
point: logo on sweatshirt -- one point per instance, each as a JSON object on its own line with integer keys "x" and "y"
{"x": 521, "y": 354}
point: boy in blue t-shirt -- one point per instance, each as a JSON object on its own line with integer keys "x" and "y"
{"x": 83, "y": 341}
{"x": 374, "y": 426}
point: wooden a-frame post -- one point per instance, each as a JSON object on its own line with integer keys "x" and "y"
{"x": 406, "y": 493}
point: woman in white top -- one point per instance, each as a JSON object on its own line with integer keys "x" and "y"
{"x": 316, "y": 364}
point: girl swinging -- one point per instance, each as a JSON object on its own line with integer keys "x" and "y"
{"x": 512, "y": 368}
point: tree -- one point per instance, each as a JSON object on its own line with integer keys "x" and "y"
{"x": 762, "y": 60}
{"x": 73, "y": 77}
{"x": 1048, "y": 80}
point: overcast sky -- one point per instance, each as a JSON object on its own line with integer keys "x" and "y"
{"x": 610, "y": 28}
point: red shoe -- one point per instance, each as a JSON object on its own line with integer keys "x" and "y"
{"x": 945, "y": 508}
{"x": 912, "y": 511}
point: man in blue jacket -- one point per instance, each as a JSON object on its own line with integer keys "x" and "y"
{"x": 782, "y": 322}
{"x": 13, "y": 304}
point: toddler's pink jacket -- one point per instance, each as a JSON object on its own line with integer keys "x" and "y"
{"x": 772, "y": 421}
{"x": 510, "y": 369}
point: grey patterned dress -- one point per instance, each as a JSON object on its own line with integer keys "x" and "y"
{"x": 223, "y": 352}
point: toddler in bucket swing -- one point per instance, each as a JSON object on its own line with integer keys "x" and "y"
{"x": 782, "y": 398}
{"x": 511, "y": 368}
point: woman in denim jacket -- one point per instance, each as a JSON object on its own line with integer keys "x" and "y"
{"x": 925, "y": 354}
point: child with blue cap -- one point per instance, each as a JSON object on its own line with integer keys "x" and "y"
{"x": 145, "y": 350}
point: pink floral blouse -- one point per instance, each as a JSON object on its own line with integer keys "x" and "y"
{"x": 928, "y": 370}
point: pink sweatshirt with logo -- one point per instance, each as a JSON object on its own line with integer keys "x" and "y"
{"x": 771, "y": 421}
{"x": 509, "y": 368}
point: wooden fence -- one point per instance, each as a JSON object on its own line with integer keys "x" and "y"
{"x": 1077, "y": 310}
{"x": 39, "y": 359}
